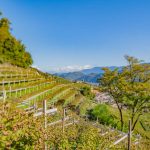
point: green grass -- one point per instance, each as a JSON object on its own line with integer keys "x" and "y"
{"x": 138, "y": 129}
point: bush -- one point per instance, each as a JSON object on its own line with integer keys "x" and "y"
{"x": 86, "y": 91}
{"x": 102, "y": 113}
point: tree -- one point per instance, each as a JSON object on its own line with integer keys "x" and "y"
{"x": 137, "y": 92}
{"x": 111, "y": 82}
{"x": 12, "y": 50}
{"x": 4, "y": 29}
{"x": 129, "y": 88}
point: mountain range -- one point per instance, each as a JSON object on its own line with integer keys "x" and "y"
{"x": 87, "y": 75}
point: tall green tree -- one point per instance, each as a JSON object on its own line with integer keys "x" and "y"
{"x": 137, "y": 89}
{"x": 130, "y": 88}
{"x": 111, "y": 82}
{"x": 12, "y": 51}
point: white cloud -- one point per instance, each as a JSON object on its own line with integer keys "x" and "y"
{"x": 70, "y": 68}
{"x": 34, "y": 66}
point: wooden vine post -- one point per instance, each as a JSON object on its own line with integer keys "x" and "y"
{"x": 44, "y": 112}
{"x": 4, "y": 96}
{"x": 16, "y": 94}
{"x": 4, "y": 99}
{"x": 10, "y": 91}
{"x": 63, "y": 120}
{"x": 129, "y": 136}
{"x": 45, "y": 122}
{"x": 3, "y": 84}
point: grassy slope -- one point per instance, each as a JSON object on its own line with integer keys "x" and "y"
{"x": 138, "y": 128}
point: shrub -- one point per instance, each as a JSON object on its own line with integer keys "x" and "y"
{"x": 102, "y": 113}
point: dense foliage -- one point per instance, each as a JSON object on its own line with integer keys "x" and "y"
{"x": 130, "y": 89}
{"x": 103, "y": 115}
{"x": 86, "y": 91}
{"x": 19, "y": 130}
{"x": 12, "y": 50}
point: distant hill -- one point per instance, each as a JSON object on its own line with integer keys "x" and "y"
{"x": 91, "y": 78}
{"x": 98, "y": 70}
{"x": 71, "y": 75}
{"x": 86, "y": 75}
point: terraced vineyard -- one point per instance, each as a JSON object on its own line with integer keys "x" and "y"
{"x": 27, "y": 89}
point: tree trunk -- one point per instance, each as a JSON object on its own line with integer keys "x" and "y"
{"x": 121, "y": 116}
{"x": 134, "y": 124}
{"x": 133, "y": 114}
{"x": 121, "y": 119}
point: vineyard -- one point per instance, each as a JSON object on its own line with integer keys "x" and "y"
{"x": 27, "y": 87}
{"x": 40, "y": 111}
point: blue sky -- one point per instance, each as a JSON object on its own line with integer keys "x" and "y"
{"x": 76, "y": 34}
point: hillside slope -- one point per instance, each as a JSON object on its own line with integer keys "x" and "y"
{"x": 28, "y": 87}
